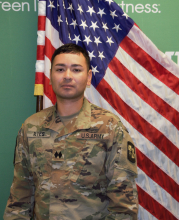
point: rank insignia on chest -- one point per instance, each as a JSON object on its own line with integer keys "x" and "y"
{"x": 130, "y": 152}
{"x": 58, "y": 154}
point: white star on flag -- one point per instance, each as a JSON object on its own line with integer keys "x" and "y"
{"x": 105, "y": 26}
{"x": 74, "y": 23}
{"x": 126, "y": 15}
{"x": 90, "y": 10}
{"x": 59, "y": 20}
{"x": 94, "y": 70}
{"x": 80, "y": 9}
{"x": 51, "y": 5}
{"x": 112, "y": 13}
{"x": 91, "y": 55}
{"x": 83, "y": 24}
{"x": 94, "y": 25}
{"x": 87, "y": 39}
{"x": 77, "y": 38}
{"x": 109, "y": 1}
{"x": 101, "y": 12}
{"x": 97, "y": 41}
{"x": 109, "y": 40}
{"x": 117, "y": 27}
{"x": 70, "y": 7}
{"x": 101, "y": 55}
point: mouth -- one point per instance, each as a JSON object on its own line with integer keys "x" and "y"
{"x": 66, "y": 86}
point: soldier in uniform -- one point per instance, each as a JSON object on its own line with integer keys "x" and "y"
{"x": 74, "y": 160}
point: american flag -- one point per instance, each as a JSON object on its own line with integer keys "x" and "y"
{"x": 131, "y": 78}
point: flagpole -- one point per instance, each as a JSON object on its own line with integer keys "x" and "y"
{"x": 39, "y": 103}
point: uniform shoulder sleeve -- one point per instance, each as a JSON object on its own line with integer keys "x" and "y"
{"x": 126, "y": 151}
{"x": 21, "y": 200}
{"x": 121, "y": 172}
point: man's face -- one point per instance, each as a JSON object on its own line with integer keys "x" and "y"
{"x": 69, "y": 76}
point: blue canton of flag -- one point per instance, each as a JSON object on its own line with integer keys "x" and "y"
{"x": 98, "y": 26}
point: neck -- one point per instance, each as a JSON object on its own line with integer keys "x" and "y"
{"x": 66, "y": 107}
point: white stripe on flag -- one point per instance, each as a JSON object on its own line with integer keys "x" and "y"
{"x": 41, "y": 38}
{"x": 52, "y": 34}
{"x": 39, "y": 66}
{"x": 143, "y": 214}
{"x": 47, "y": 67}
{"x": 46, "y": 102}
{"x": 42, "y": 8}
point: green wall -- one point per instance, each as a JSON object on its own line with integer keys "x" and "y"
{"x": 18, "y": 37}
{"x": 18, "y": 28}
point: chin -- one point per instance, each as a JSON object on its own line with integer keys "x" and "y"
{"x": 70, "y": 97}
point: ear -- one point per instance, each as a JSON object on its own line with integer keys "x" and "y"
{"x": 89, "y": 78}
{"x": 50, "y": 83}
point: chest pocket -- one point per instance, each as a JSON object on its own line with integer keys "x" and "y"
{"x": 90, "y": 163}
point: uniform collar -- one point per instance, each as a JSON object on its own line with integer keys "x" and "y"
{"x": 82, "y": 121}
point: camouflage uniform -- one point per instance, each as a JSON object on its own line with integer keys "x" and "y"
{"x": 85, "y": 170}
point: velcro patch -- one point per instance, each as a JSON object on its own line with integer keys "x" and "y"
{"x": 131, "y": 152}
{"x": 37, "y": 134}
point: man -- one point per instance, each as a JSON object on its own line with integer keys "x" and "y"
{"x": 74, "y": 160}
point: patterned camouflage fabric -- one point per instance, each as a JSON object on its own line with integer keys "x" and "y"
{"x": 85, "y": 170}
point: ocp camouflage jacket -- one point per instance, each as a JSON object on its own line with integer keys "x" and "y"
{"x": 85, "y": 170}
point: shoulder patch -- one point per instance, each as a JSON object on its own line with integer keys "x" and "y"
{"x": 131, "y": 152}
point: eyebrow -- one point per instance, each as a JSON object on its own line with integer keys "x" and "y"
{"x": 73, "y": 65}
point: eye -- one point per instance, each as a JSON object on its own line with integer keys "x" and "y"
{"x": 77, "y": 70}
{"x": 59, "y": 69}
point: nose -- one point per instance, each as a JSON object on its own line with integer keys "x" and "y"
{"x": 67, "y": 74}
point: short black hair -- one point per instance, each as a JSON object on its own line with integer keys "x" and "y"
{"x": 71, "y": 48}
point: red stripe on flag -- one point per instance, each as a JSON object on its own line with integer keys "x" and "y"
{"x": 143, "y": 92}
{"x": 156, "y": 174}
{"x": 41, "y": 23}
{"x": 136, "y": 25}
{"x": 40, "y": 52}
{"x": 152, "y": 206}
{"x": 39, "y": 78}
{"x": 48, "y": 90}
{"x": 151, "y": 65}
{"x": 49, "y": 49}
{"x": 140, "y": 124}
